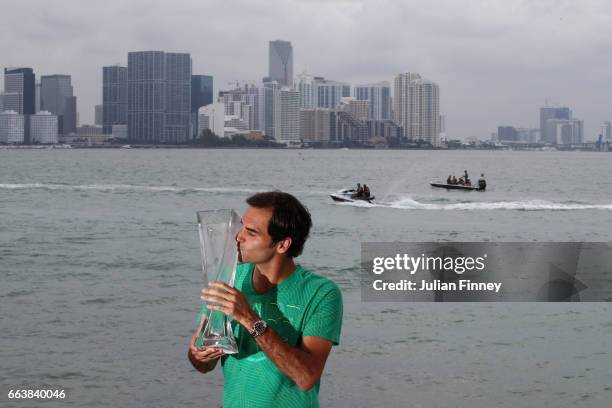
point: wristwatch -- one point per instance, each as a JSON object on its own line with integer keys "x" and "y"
{"x": 259, "y": 327}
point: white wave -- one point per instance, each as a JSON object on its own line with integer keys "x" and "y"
{"x": 407, "y": 203}
{"x": 122, "y": 187}
{"x": 129, "y": 187}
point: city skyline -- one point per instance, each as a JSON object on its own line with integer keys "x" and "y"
{"x": 496, "y": 64}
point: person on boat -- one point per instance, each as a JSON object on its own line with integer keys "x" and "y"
{"x": 449, "y": 180}
{"x": 465, "y": 175}
{"x": 461, "y": 182}
{"x": 358, "y": 192}
{"x": 454, "y": 180}
{"x": 482, "y": 183}
{"x": 366, "y": 191}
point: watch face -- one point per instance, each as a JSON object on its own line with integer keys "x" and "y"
{"x": 259, "y": 327}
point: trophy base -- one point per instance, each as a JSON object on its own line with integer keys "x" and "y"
{"x": 223, "y": 343}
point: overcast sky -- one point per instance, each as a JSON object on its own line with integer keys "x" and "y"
{"x": 496, "y": 61}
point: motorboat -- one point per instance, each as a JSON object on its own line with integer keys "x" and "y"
{"x": 459, "y": 187}
{"x": 349, "y": 196}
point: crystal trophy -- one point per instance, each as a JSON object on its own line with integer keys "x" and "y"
{"x": 218, "y": 230}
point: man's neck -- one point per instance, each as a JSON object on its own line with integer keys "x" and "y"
{"x": 270, "y": 274}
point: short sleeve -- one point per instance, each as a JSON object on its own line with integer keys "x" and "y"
{"x": 325, "y": 320}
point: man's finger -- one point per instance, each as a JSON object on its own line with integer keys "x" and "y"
{"x": 218, "y": 293}
{"x": 223, "y": 285}
{"x": 213, "y": 299}
{"x": 223, "y": 309}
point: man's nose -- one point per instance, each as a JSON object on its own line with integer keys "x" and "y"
{"x": 239, "y": 236}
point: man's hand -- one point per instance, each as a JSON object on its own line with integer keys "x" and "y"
{"x": 230, "y": 301}
{"x": 203, "y": 356}
{"x": 202, "y": 360}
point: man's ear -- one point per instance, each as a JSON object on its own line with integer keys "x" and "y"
{"x": 283, "y": 246}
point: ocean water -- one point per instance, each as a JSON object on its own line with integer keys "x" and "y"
{"x": 100, "y": 273}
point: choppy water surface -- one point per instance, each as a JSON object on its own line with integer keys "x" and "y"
{"x": 100, "y": 273}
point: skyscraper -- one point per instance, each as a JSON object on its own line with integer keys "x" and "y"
{"x": 98, "y": 114}
{"x": 564, "y": 131}
{"x": 606, "y": 131}
{"x": 379, "y": 96}
{"x": 271, "y": 109}
{"x": 201, "y": 95}
{"x": 201, "y": 91}
{"x": 417, "y": 108}
{"x": 159, "y": 96}
{"x": 19, "y": 90}
{"x": 43, "y": 128}
{"x": 212, "y": 117}
{"x": 280, "y": 68}
{"x": 57, "y": 97}
{"x": 315, "y": 124}
{"x": 289, "y": 115}
{"x": 360, "y": 109}
{"x": 305, "y": 86}
{"x": 244, "y": 102}
{"x": 328, "y": 94}
{"x": 12, "y": 127}
{"x": 114, "y": 97}
{"x": 548, "y": 134}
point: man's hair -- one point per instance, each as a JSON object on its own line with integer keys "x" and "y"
{"x": 290, "y": 219}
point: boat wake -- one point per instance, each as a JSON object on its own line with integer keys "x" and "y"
{"x": 120, "y": 187}
{"x": 128, "y": 188}
{"x": 408, "y": 203}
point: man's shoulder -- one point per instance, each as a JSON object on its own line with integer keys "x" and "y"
{"x": 317, "y": 283}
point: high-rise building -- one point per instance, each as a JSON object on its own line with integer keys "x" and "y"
{"x": 606, "y": 131}
{"x": 507, "y": 134}
{"x": 315, "y": 125}
{"x": 12, "y": 127}
{"x": 379, "y": 96}
{"x": 119, "y": 132}
{"x": 328, "y": 93}
{"x": 386, "y": 129}
{"x": 201, "y": 95}
{"x": 159, "y": 97}
{"x": 345, "y": 128}
{"x": 212, "y": 117}
{"x": 43, "y": 128}
{"x": 547, "y": 133}
{"x": 201, "y": 91}
{"x": 360, "y": 109}
{"x": 57, "y": 97}
{"x": 565, "y": 131}
{"x": 417, "y": 108}
{"x": 280, "y": 58}
{"x": 281, "y": 107}
{"x": 114, "y": 97}
{"x": 289, "y": 115}
{"x": 270, "y": 117}
{"x": 37, "y": 93}
{"x": 98, "y": 114}
{"x": 12, "y": 101}
{"x": 19, "y": 90}
{"x": 305, "y": 86}
{"x": 243, "y": 101}
{"x": 71, "y": 116}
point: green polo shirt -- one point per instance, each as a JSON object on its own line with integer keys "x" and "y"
{"x": 304, "y": 304}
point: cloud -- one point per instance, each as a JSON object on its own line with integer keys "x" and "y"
{"x": 495, "y": 61}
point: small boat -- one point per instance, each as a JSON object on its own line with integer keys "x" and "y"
{"x": 457, "y": 187}
{"x": 349, "y": 196}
